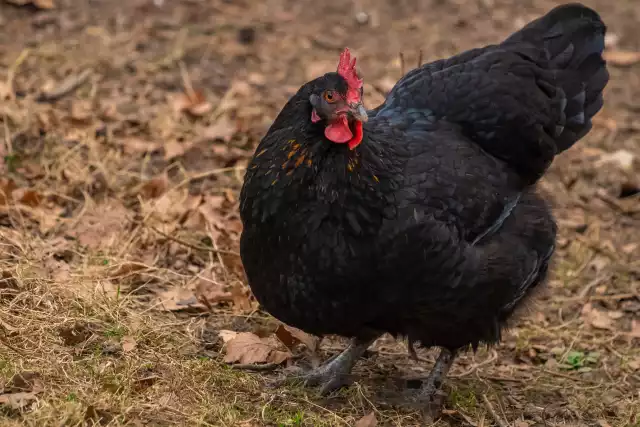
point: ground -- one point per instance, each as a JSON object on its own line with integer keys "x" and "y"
{"x": 125, "y": 130}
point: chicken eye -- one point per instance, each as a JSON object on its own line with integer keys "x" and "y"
{"x": 329, "y": 96}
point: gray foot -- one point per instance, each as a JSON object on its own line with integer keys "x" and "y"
{"x": 335, "y": 373}
{"x": 430, "y": 397}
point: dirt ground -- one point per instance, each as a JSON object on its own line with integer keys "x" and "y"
{"x": 125, "y": 128}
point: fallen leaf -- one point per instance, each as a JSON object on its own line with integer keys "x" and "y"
{"x": 154, "y": 188}
{"x": 596, "y": 318}
{"x": 74, "y": 334}
{"x": 194, "y": 103}
{"x": 240, "y": 296}
{"x": 81, "y": 112}
{"x": 173, "y": 149}
{"x": 97, "y": 416}
{"x": 227, "y": 335}
{"x": 6, "y": 92}
{"x": 25, "y": 381}
{"x": 101, "y": 225}
{"x": 285, "y": 337}
{"x": 248, "y": 348}
{"x": 17, "y": 400}
{"x": 622, "y": 158}
{"x": 139, "y": 146}
{"x": 635, "y": 329}
{"x": 177, "y": 298}
{"x": 224, "y": 129}
{"x": 210, "y": 292}
{"x": 622, "y": 57}
{"x": 27, "y": 197}
{"x": 630, "y": 248}
{"x": 128, "y": 343}
{"x": 6, "y": 189}
{"x": 40, "y": 4}
{"x": 290, "y": 336}
{"x": 615, "y": 314}
{"x": 126, "y": 268}
{"x": 368, "y": 420}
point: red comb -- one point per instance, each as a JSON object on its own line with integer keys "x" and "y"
{"x": 347, "y": 69}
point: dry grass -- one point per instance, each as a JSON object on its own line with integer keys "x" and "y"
{"x": 120, "y": 199}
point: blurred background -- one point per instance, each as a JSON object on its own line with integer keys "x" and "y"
{"x": 125, "y": 130}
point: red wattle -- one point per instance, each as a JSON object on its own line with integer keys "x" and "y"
{"x": 338, "y": 131}
{"x": 357, "y": 137}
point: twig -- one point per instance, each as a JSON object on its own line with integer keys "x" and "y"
{"x": 259, "y": 368}
{"x": 402, "y": 63}
{"x": 69, "y": 85}
{"x": 595, "y": 282}
{"x": 493, "y": 413}
{"x": 9, "y": 346}
{"x": 190, "y": 245}
{"x": 12, "y": 71}
{"x": 207, "y": 174}
{"x": 420, "y": 59}
{"x": 186, "y": 82}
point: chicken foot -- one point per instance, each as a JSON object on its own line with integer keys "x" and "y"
{"x": 333, "y": 374}
{"x": 428, "y": 397}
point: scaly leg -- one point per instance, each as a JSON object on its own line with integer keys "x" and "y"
{"x": 332, "y": 375}
{"x": 428, "y": 395}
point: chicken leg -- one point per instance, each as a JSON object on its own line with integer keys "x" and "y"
{"x": 427, "y": 398}
{"x": 332, "y": 375}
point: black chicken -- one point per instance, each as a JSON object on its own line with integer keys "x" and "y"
{"x": 419, "y": 218}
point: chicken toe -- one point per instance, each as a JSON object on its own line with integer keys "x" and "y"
{"x": 334, "y": 374}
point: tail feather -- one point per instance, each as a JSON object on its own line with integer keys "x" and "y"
{"x": 572, "y": 36}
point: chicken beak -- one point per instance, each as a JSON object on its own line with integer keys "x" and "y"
{"x": 359, "y": 112}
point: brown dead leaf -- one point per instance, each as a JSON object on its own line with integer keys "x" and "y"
{"x": 290, "y": 336}
{"x": 240, "y": 296}
{"x": 6, "y": 189}
{"x": 209, "y": 293}
{"x": 27, "y": 197}
{"x": 173, "y": 149}
{"x": 17, "y": 400}
{"x": 128, "y": 343}
{"x": 223, "y": 129}
{"x": 155, "y": 187}
{"x": 227, "y": 335}
{"x": 177, "y": 298}
{"x": 40, "y": 4}
{"x": 126, "y": 268}
{"x": 74, "y": 334}
{"x": 621, "y": 57}
{"x": 97, "y": 416}
{"x": 139, "y": 146}
{"x": 21, "y": 390}
{"x": 81, "y": 112}
{"x": 101, "y": 224}
{"x": 635, "y": 329}
{"x": 285, "y": 337}
{"x": 25, "y": 381}
{"x": 58, "y": 271}
{"x": 194, "y": 103}
{"x": 6, "y": 92}
{"x": 368, "y": 420}
{"x": 248, "y": 348}
{"x": 596, "y": 318}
